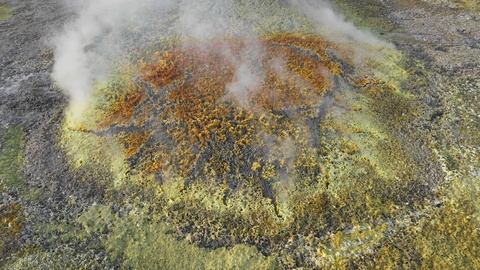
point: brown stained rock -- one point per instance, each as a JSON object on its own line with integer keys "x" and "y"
{"x": 11, "y": 226}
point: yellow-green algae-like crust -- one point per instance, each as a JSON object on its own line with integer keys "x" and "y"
{"x": 447, "y": 237}
{"x": 316, "y": 178}
{"x": 6, "y": 12}
{"x": 11, "y": 158}
{"x": 316, "y": 182}
{"x": 12, "y": 218}
{"x": 144, "y": 241}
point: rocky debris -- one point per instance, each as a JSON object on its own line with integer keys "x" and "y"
{"x": 27, "y": 94}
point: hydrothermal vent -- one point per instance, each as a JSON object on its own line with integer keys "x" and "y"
{"x": 192, "y": 114}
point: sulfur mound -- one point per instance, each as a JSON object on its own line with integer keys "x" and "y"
{"x": 219, "y": 111}
{"x": 256, "y": 141}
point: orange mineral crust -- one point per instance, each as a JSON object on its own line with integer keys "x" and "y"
{"x": 215, "y": 109}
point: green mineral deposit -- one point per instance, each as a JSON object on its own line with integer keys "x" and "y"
{"x": 6, "y": 12}
{"x": 11, "y": 158}
{"x": 143, "y": 241}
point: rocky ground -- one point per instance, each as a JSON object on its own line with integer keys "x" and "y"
{"x": 53, "y": 216}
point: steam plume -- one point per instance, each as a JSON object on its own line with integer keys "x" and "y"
{"x": 87, "y": 46}
{"x": 335, "y": 25}
{"x": 105, "y": 30}
{"x": 76, "y": 68}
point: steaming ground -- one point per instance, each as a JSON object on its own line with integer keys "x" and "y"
{"x": 102, "y": 34}
{"x": 50, "y": 213}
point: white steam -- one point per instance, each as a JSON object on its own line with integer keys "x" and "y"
{"x": 245, "y": 82}
{"x": 88, "y": 45}
{"x": 76, "y": 68}
{"x": 334, "y": 25}
{"x": 204, "y": 20}
{"x": 106, "y": 30}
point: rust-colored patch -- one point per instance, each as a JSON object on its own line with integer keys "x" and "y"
{"x": 211, "y": 106}
{"x": 123, "y": 108}
{"x": 132, "y": 142}
{"x": 11, "y": 225}
{"x": 162, "y": 72}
